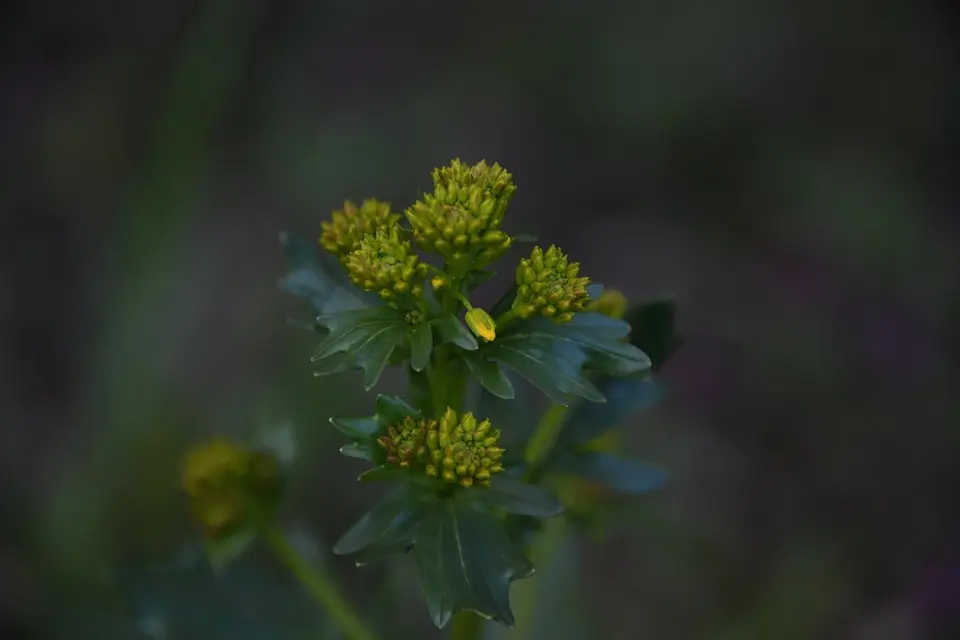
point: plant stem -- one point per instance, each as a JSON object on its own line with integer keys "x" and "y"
{"x": 320, "y": 586}
{"x": 466, "y": 626}
{"x": 543, "y": 439}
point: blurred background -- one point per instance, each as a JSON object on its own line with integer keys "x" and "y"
{"x": 784, "y": 169}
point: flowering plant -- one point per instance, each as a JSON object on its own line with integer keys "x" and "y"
{"x": 470, "y": 488}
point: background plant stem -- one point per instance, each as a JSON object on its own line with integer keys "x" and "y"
{"x": 466, "y": 626}
{"x": 320, "y": 586}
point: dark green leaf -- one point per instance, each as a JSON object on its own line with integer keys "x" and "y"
{"x": 393, "y": 409}
{"x": 625, "y": 396}
{"x": 553, "y": 356}
{"x": 452, "y": 330}
{"x": 513, "y": 496}
{"x": 360, "y": 340}
{"x": 318, "y": 278}
{"x": 513, "y": 416}
{"x": 620, "y": 474}
{"x": 394, "y": 517}
{"x": 220, "y": 553}
{"x": 594, "y": 289}
{"x": 383, "y": 474}
{"x": 357, "y": 427}
{"x": 421, "y": 344}
{"x": 467, "y": 563}
{"x": 362, "y": 450}
{"x": 490, "y": 375}
{"x": 351, "y": 329}
{"x": 654, "y": 330}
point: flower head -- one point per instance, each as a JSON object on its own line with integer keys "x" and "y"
{"x": 387, "y": 263}
{"x": 226, "y": 484}
{"x": 461, "y": 219}
{"x": 548, "y": 284}
{"x": 481, "y": 324}
{"x": 344, "y": 233}
{"x": 454, "y": 449}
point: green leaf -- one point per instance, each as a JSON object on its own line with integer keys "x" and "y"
{"x": 625, "y": 396}
{"x": 357, "y": 427}
{"x": 553, "y": 356}
{"x": 490, "y": 375}
{"x": 362, "y": 339}
{"x": 383, "y": 474}
{"x": 362, "y": 450}
{"x": 421, "y": 345}
{"x": 392, "y": 520}
{"x": 221, "y": 553}
{"x": 620, "y": 474}
{"x": 388, "y": 410}
{"x": 467, "y": 563}
{"x": 451, "y": 330}
{"x": 393, "y": 409}
{"x": 654, "y": 330}
{"x": 511, "y": 495}
{"x": 318, "y": 278}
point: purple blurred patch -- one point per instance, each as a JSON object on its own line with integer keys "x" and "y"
{"x": 937, "y": 596}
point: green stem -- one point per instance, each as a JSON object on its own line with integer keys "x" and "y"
{"x": 506, "y": 318}
{"x": 320, "y": 586}
{"x": 543, "y": 439}
{"x": 466, "y": 626}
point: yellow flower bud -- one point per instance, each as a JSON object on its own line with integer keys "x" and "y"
{"x": 548, "y": 284}
{"x": 481, "y": 324}
{"x": 348, "y": 226}
{"x": 455, "y": 449}
{"x": 460, "y": 220}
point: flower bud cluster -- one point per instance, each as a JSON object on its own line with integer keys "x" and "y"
{"x": 548, "y": 284}
{"x": 344, "y": 233}
{"x": 225, "y": 484}
{"x": 386, "y": 263}
{"x": 461, "y": 219}
{"x": 455, "y": 450}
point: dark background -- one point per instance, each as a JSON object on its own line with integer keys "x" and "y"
{"x": 783, "y": 168}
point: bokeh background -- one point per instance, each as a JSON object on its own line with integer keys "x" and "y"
{"x": 784, "y": 169}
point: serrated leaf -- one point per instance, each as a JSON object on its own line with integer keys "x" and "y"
{"x": 421, "y": 345}
{"x": 654, "y": 330}
{"x": 383, "y": 474}
{"x": 391, "y": 520}
{"x": 553, "y": 356}
{"x": 221, "y": 553}
{"x": 513, "y": 496}
{"x": 362, "y": 339}
{"x": 393, "y": 409}
{"x": 451, "y": 330}
{"x": 361, "y": 450}
{"x": 467, "y": 563}
{"x": 357, "y": 427}
{"x": 619, "y": 474}
{"x": 625, "y": 396}
{"x": 490, "y": 375}
{"x": 318, "y": 278}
